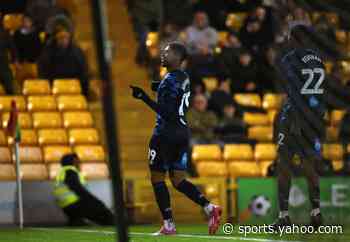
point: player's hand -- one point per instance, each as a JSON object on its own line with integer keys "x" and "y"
{"x": 137, "y": 92}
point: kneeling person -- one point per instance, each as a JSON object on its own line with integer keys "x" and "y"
{"x": 77, "y": 203}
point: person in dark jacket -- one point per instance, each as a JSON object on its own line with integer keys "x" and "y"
{"x": 77, "y": 203}
{"x": 27, "y": 41}
{"x": 62, "y": 58}
{"x": 6, "y": 47}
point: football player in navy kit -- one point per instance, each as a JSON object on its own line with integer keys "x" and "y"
{"x": 169, "y": 143}
{"x": 300, "y": 124}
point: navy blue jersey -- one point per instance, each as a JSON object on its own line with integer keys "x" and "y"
{"x": 305, "y": 87}
{"x": 173, "y": 100}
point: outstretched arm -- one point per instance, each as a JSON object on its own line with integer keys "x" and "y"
{"x": 166, "y": 110}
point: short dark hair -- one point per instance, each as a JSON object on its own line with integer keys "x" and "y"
{"x": 179, "y": 49}
{"x": 300, "y": 31}
{"x": 67, "y": 159}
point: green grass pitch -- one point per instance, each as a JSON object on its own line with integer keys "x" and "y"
{"x": 186, "y": 233}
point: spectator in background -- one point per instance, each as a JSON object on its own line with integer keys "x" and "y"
{"x": 220, "y": 97}
{"x": 228, "y": 57}
{"x": 200, "y": 37}
{"x": 62, "y": 58}
{"x": 7, "y": 48}
{"x": 244, "y": 74}
{"x": 268, "y": 74}
{"x": 201, "y": 40}
{"x": 231, "y": 127}
{"x": 147, "y": 15}
{"x": 299, "y": 14}
{"x": 27, "y": 41}
{"x": 258, "y": 30}
{"x": 201, "y": 121}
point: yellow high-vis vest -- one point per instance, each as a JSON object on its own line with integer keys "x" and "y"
{"x": 64, "y": 196}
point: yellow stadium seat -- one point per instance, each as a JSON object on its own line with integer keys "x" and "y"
{"x": 94, "y": 170}
{"x": 332, "y": 133}
{"x": 348, "y": 148}
{"x": 47, "y": 120}
{"x": 152, "y": 39}
{"x": 332, "y": 151}
{"x": 264, "y": 166}
{"x": 252, "y": 100}
{"x": 52, "y": 136}
{"x": 24, "y": 119}
{"x": 5, "y": 156}
{"x": 90, "y": 153}
{"x": 211, "y": 168}
{"x": 83, "y": 136}
{"x": 332, "y": 18}
{"x": 256, "y": 118}
{"x": 71, "y": 102}
{"x": 222, "y": 37}
{"x": 337, "y": 165}
{"x": 206, "y": 153}
{"x": 341, "y": 36}
{"x": 30, "y": 154}
{"x": 337, "y": 116}
{"x": 265, "y": 152}
{"x": 77, "y": 119}
{"x": 66, "y": 86}
{"x": 2, "y": 90}
{"x": 54, "y": 153}
{"x": 36, "y": 87}
{"x": 272, "y": 101}
{"x": 244, "y": 169}
{"x": 41, "y": 103}
{"x": 5, "y": 103}
{"x": 28, "y": 137}
{"x": 210, "y": 83}
{"x": 235, "y": 20}
{"x": 34, "y": 172}
{"x": 272, "y": 115}
{"x": 7, "y": 172}
{"x": 261, "y": 133}
{"x": 3, "y": 139}
{"x": 238, "y": 152}
{"x": 12, "y": 22}
{"x": 53, "y": 170}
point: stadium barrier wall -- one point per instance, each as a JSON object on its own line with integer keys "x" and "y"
{"x": 39, "y": 203}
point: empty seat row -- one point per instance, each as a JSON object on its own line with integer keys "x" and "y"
{"x": 70, "y": 119}
{"x": 245, "y": 152}
{"x": 39, "y": 172}
{"x": 59, "y": 87}
{"x": 44, "y": 103}
{"x": 54, "y": 136}
{"x": 53, "y": 153}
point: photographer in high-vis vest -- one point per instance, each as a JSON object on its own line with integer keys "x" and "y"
{"x": 77, "y": 203}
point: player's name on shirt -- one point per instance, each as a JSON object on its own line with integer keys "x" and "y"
{"x": 308, "y": 58}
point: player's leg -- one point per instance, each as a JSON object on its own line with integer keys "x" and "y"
{"x": 313, "y": 181}
{"x": 285, "y": 154}
{"x": 158, "y": 171}
{"x": 179, "y": 181}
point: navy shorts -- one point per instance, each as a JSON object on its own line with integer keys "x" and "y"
{"x": 292, "y": 139}
{"x": 164, "y": 155}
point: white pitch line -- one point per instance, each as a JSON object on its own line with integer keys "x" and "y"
{"x": 177, "y": 235}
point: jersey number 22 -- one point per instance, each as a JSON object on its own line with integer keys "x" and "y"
{"x": 307, "y": 88}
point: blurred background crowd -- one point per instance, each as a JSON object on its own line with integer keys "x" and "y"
{"x": 234, "y": 46}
